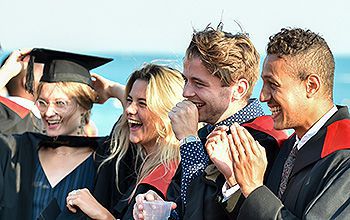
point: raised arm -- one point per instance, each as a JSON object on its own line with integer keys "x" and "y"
{"x": 108, "y": 89}
{"x": 13, "y": 66}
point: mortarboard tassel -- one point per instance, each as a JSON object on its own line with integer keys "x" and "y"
{"x": 30, "y": 76}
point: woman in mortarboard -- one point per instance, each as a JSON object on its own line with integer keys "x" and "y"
{"x": 38, "y": 171}
{"x": 143, "y": 144}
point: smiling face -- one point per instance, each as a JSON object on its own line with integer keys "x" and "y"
{"x": 60, "y": 114}
{"x": 205, "y": 91}
{"x": 140, "y": 119}
{"x": 284, "y": 93}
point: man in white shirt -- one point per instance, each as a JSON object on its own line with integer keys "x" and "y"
{"x": 310, "y": 178}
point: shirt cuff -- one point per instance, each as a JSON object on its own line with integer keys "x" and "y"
{"x": 228, "y": 191}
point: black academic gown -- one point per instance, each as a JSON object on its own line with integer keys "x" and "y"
{"x": 204, "y": 196}
{"x": 319, "y": 185}
{"x": 118, "y": 201}
{"x": 15, "y": 119}
{"x": 17, "y": 168}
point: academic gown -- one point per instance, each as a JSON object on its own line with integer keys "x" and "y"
{"x": 319, "y": 185}
{"x": 17, "y": 167}
{"x": 16, "y": 119}
{"x": 118, "y": 202}
{"x": 205, "y": 199}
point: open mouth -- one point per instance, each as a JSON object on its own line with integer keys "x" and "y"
{"x": 53, "y": 123}
{"x": 275, "y": 111}
{"x": 134, "y": 125}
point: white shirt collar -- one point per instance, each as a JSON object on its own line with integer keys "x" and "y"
{"x": 315, "y": 128}
{"x": 28, "y": 104}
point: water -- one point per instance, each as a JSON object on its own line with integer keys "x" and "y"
{"x": 123, "y": 65}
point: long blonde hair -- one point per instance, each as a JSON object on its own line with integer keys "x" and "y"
{"x": 164, "y": 90}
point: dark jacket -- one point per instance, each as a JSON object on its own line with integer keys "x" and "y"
{"x": 319, "y": 184}
{"x": 15, "y": 119}
{"x": 17, "y": 153}
{"x": 117, "y": 201}
{"x": 205, "y": 200}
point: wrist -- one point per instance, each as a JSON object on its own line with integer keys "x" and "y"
{"x": 188, "y": 139}
{"x": 248, "y": 190}
{"x": 231, "y": 181}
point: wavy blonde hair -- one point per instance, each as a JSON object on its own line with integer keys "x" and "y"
{"x": 164, "y": 90}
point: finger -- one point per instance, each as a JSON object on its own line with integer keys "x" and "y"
{"x": 233, "y": 149}
{"x": 71, "y": 208}
{"x": 244, "y": 140}
{"x": 150, "y": 197}
{"x": 210, "y": 148}
{"x": 261, "y": 148}
{"x": 237, "y": 141}
{"x": 173, "y": 205}
{"x": 253, "y": 147}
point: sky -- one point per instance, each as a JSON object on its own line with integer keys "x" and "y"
{"x": 164, "y": 26}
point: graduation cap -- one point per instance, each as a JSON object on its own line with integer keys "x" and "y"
{"x": 62, "y": 66}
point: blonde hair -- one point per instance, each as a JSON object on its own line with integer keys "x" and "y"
{"x": 229, "y": 57}
{"x": 164, "y": 90}
{"x": 82, "y": 93}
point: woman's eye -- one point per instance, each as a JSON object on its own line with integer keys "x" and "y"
{"x": 42, "y": 103}
{"x": 61, "y": 104}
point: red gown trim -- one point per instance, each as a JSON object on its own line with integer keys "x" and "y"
{"x": 18, "y": 109}
{"x": 337, "y": 137}
{"x": 161, "y": 177}
{"x": 265, "y": 124}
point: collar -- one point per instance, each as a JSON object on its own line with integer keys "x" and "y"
{"x": 315, "y": 128}
{"x": 28, "y": 104}
{"x": 252, "y": 110}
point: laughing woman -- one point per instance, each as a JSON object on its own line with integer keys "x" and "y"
{"x": 144, "y": 152}
{"x": 37, "y": 171}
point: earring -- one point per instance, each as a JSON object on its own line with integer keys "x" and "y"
{"x": 82, "y": 125}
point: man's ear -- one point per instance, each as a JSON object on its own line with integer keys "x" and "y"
{"x": 312, "y": 84}
{"x": 240, "y": 89}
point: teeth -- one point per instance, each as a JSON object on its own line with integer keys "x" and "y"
{"x": 275, "y": 110}
{"x": 51, "y": 122}
{"x": 130, "y": 121}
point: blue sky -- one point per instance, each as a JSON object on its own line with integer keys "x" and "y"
{"x": 162, "y": 25}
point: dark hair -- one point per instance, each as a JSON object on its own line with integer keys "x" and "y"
{"x": 308, "y": 53}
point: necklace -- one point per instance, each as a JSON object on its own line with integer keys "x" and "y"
{"x": 72, "y": 153}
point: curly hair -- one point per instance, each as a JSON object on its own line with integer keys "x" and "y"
{"x": 308, "y": 53}
{"x": 228, "y": 56}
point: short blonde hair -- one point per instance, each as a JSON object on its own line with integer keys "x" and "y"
{"x": 82, "y": 93}
{"x": 227, "y": 56}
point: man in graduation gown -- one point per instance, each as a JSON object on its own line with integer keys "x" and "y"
{"x": 310, "y": 178}
{"x": 18, "y": 112}
{"x": 220, "y": 70}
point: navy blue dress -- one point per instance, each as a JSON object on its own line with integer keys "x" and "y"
{"x": 81, "y": 177}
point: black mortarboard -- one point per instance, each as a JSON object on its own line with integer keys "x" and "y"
{"x": 62, "y": 66}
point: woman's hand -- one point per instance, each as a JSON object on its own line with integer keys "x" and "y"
{"x": 106, "y": 89}
{"x": 83, "y": 200}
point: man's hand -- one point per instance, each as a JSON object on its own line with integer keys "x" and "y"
{"x": 249, "y": 159}
{"x": 218, "y": 149}
{"x": 148, "y": 196}
{"x": 184, "y": 119}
